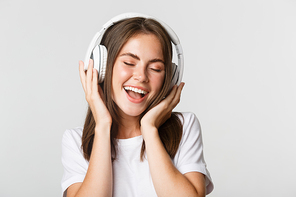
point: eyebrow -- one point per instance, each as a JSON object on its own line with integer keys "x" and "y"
{"x": 137, "y": 57}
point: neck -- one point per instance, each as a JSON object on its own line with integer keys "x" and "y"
{"x": 129, "y": 127}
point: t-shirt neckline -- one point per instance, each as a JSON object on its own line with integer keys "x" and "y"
{"x": 130, "y": 141}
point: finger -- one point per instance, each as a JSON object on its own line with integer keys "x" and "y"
{"x": 166, "y": 103}
{"x": 177, "y": 97}
{"x": 82, "y": 74}
{"x": 170, "y": 97}
{"x": 89, "y": 76}
{"x": 95, "y": 80}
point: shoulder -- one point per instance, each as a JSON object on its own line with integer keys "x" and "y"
{"x": 191, "y": 129}
{"x": 190, "y": 122}
{"x": 189, "y": 157}
{"x": 75, "y": 165}
{"x": 72, "y": 137}
{"x": 71, "y": 147}
{"x": 73, "y": 133}
{"x": 187, "y": 118}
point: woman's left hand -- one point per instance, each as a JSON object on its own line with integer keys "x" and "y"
{"x": 156, "y": 116}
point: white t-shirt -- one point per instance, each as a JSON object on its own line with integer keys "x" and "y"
{"x": 131, "y": 177}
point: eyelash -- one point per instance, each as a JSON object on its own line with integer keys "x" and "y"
{"x": 129, "y": 64}
{"x": 156, "y": 70}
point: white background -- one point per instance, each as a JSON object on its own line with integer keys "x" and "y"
{"x": 239, "y": 74}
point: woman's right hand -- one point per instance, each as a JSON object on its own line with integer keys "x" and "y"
{"x": 94, "y": 94}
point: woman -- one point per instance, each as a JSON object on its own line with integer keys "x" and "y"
{"x": 132, "y": 144}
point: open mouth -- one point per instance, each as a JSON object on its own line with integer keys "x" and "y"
{"x": 135, "y": 93}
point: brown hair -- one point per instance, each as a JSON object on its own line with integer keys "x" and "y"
{"x": 113, "y": 39}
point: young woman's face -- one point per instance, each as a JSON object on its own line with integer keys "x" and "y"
{"x": 138, "y": 74}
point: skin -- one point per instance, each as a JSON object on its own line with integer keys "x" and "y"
{"x": 140, "y": 63}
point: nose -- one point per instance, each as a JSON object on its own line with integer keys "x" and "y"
{"x": 140, "y": 74}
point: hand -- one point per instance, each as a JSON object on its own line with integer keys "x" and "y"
{"x": 156, "y": 116}
{"x": 94, "y": 93}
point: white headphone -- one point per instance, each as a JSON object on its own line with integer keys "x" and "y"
{"x": 98, "y": 52}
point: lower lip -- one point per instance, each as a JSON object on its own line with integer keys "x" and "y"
{"x": 135, "y": 100}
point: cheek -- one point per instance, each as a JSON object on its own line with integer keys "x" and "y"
{"x": 119, "y": 76}
{"x": 119, "y": 73}
{"x": 157, "y": 82}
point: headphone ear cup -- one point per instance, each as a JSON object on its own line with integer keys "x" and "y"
{"x": 175, "y": 75}
{"x": 103, "y": 63}
{"x": 95, "y": 55}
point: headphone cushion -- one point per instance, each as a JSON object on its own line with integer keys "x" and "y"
{"x": 175, "y": 74}
{"x": 103, "y": 63}
{"x": 95, "y": 55}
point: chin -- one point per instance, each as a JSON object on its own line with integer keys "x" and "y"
{"x": 132, "y": 111}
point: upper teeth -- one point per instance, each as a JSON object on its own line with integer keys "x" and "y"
{"x": 135, "y": 90}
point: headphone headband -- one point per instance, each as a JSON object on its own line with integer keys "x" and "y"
{"x": 174, "y": 38}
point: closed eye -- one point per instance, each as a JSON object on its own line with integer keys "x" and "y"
{"x": 156, "y": 70}
{"x": 129, "y": 64}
